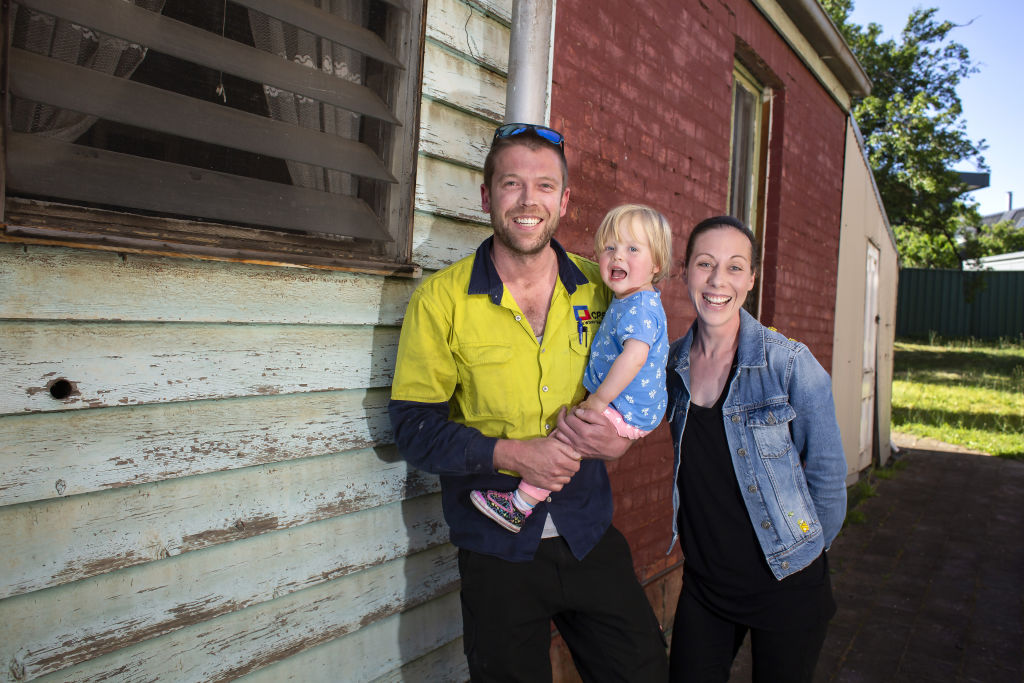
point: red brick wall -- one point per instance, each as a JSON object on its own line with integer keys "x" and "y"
{"x": 642, "y": 92}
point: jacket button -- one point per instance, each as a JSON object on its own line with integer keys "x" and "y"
{"x": 735, "y": 418}
{"x": 742, "y": 451}
{"x": 785, "y": 564}
{"x": 766, "y": 524}
{"x": 752, "y": 488}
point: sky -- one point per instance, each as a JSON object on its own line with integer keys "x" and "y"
{"x": 993, "y": 98}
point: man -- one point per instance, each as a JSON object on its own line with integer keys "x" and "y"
{"x": 492, "y": 350}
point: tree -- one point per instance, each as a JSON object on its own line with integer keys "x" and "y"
{"x": 915, "y": 133}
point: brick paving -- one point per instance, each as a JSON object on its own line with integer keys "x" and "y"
{"x": 930, "y": 587}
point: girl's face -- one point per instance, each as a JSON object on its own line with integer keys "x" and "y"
{"x": 719, "y": 274}
{"x": 627, "y": 264}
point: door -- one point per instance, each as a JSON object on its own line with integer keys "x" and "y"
{"x": 867, "y": 385}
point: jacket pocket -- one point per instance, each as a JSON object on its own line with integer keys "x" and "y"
{"x": 770, "y": 428}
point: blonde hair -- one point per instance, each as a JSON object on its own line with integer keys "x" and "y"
{"x": 654, "y": 225}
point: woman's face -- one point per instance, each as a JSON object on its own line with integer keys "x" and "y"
{"x": 719, "y": 274}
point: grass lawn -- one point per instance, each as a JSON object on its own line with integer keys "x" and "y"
{"x": 965, "y": 393}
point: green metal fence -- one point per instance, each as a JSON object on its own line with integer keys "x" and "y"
{"x": 954, "y": 303}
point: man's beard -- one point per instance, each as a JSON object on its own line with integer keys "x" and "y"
{"x": 520, "y": 244}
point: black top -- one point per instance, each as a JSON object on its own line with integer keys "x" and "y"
{"x": 724, "y": 565}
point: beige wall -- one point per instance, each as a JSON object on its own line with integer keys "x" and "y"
{"x": 863, "y": 223}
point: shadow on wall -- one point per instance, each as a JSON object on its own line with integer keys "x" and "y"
{"x": 417, "y": 633}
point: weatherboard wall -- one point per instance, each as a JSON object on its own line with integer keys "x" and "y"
{"x": 217, "y": 494}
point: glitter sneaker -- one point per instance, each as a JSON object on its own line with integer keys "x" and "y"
{"x": 498, "y": 506}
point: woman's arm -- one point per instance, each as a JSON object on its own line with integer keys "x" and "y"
{"x": 816, "y": 437}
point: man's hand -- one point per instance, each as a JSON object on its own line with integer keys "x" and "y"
{"x": 545, "y": 462}
{"x": 591, "y": 434}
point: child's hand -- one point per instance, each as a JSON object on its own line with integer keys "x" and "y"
{"x": 592, "y": 402}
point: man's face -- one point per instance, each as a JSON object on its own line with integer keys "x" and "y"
{"x": 526, "y": 198}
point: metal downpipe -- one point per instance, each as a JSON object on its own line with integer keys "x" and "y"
{"x": 528, "y": 93}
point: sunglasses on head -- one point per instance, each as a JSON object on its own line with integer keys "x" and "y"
{"x": 512, "y": 129}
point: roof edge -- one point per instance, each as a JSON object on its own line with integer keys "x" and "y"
{"x": 818, "y": 29}
{"x": 863, "y": 148}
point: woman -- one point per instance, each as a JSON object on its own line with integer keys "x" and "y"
{"x": 760, "y": 476}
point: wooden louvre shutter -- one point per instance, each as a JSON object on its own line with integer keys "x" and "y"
{"x": 46, "y": 166}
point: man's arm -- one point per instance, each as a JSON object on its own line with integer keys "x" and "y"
{"x": 544, "y": 462}
{"x": 430, "y": 441}
{"x": 591, "y": 434}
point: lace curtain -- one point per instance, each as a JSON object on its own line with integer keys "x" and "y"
{"x": 68, "y": 42}
{"x": 305, "y": 48}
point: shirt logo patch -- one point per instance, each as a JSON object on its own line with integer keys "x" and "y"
{"x": 582, "y": 313}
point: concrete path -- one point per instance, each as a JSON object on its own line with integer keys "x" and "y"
{"x": 930, "y": 586}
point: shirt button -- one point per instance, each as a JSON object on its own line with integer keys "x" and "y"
{"x": 547, "y": 428}
{"x": 735, "y": 418}
{"x": 742, "y": 451}
{"x": 518, "y": 318}
{"x": 544, "y": 388}
{"x": 766, "y": 524}
{"x": 752, "y": 488}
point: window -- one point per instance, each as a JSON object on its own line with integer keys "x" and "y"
{"x": 261, "y": 130}
{"x": 751, "y": 114}
{"x": 746, "y": 182}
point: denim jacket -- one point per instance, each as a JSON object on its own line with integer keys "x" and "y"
{"x": 780, "y": 424}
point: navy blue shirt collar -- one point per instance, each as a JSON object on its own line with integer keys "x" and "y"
{"x": 484, "y": 278}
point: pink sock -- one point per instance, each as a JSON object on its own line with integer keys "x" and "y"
{"x": 533, "y": 491}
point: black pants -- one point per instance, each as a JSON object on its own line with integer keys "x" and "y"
{"x": 704, "y": 646}
{"x": 597, "y": 604}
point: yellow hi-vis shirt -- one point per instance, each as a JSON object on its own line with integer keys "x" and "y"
{"x": 466, "y": 341}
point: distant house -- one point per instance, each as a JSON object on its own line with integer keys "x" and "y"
{"x": 1008, "y": 261}
{"x": 1015, "y": 216}
{"x": 213, "y": 216}
{"x": 1011, "y": 261}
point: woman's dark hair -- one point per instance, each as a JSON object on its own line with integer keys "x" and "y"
{"x": 725, "y": 222}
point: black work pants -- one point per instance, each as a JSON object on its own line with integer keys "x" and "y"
{"x": 704, "y": 646}
{"x": 596, "y": 603}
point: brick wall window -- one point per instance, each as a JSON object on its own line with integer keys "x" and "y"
{"x": 750, "y": 114}
{"x": 261, "y": 130}
{"x": 751, "y": 118}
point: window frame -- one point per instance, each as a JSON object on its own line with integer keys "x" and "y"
{"x": 61, "y": 223}
{"x": 758, "y": 125}
{"x": 756, "y": 172}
